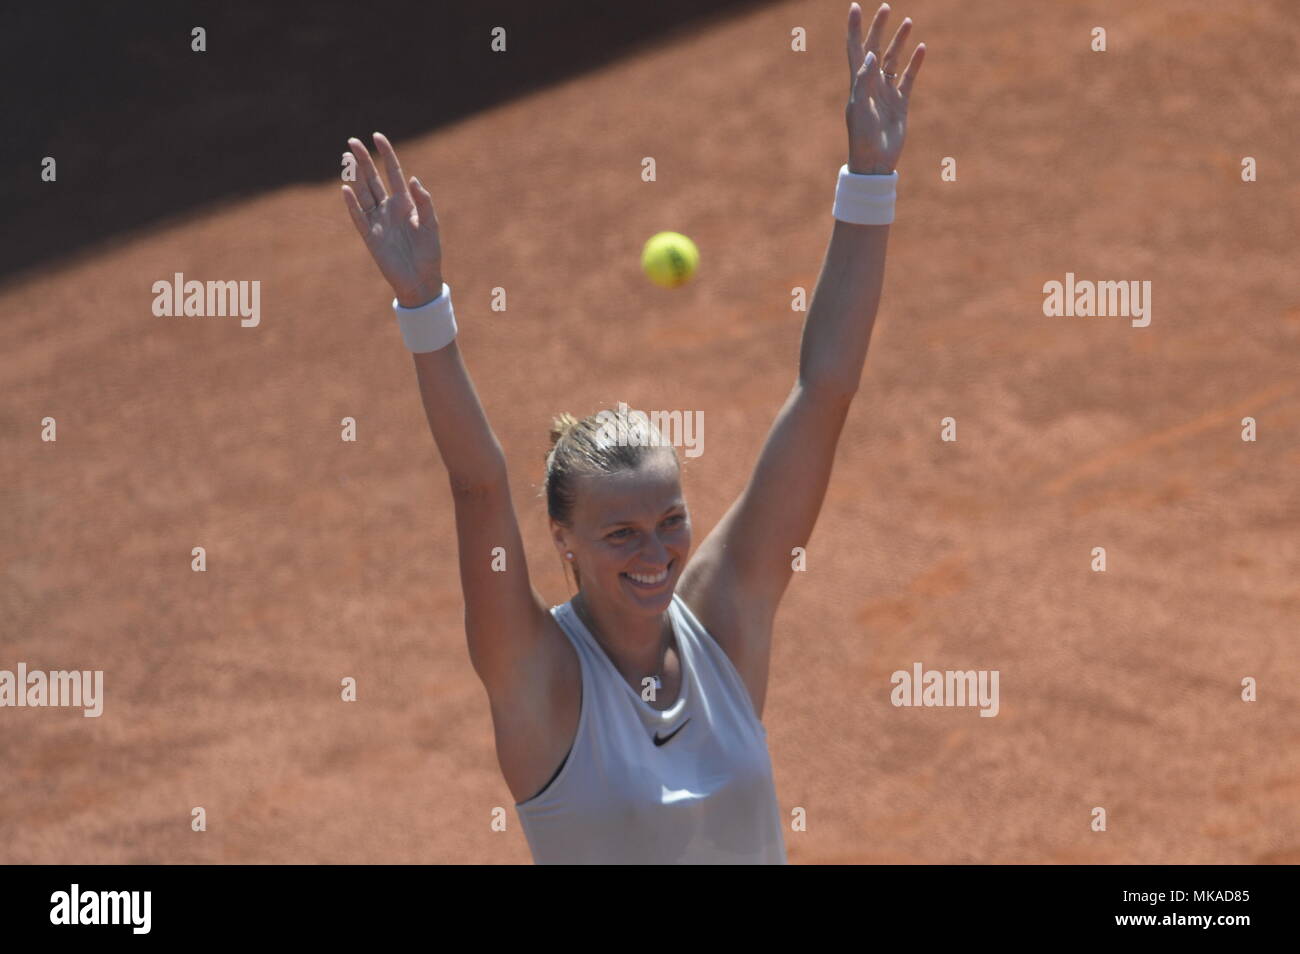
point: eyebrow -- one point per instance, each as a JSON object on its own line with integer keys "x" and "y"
{"x": 625, "y": 523}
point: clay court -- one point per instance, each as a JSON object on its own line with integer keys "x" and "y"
{"x": 329, "y": 559}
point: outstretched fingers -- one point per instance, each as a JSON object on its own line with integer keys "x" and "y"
{"x": 355, "y": 211}
{"x": 855, "y": 41}
{"x": 392, "y": 168}
{"x": 913, "y": 67}
{"x": 423, "y": 204}
{"x": 877, "y": 30}
{"x": 368, "y": 178}
{"x": 889, "y": 62}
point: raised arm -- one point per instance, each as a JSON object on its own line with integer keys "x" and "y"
{"x": 748, "y": 554}
{"x": 504, "y": 616}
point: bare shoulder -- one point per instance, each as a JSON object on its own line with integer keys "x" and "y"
{"x": 742, "y": 628}
{"x": 535, "y": 708}
{"x": 703, "y": 587}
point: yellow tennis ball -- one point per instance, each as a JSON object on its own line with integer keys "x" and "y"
{"x": 669, "y": 259}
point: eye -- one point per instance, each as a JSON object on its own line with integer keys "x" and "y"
{"x": 676, "y": 520}
{"x": 618, "y": 534}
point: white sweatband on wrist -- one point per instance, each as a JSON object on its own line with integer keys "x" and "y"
{"x": 430, "y": 326}
{"x": 865, "y": 199}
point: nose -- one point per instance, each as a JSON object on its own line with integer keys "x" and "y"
{"x": 654, "y": 552}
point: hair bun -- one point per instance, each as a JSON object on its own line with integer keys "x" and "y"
{"x": 561, "y": 424}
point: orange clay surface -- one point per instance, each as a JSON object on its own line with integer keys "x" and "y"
{"x": 328, "y": 559}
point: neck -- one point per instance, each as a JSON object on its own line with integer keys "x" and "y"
{"x": 635, "y": 644}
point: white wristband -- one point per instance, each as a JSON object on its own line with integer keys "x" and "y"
{"x": 865, "y": 199}
{"x": 429, "y": 327}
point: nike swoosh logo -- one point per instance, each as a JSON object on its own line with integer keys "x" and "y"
{"x": 659, "y": 741}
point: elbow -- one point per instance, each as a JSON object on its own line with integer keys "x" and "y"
{"x": 487, "y": 478}
{"x": 829, "y": 390}
{"x": 476, "y": 487}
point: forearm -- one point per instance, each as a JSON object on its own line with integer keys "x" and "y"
{"x": 843, "y": 310}
{"x": 469, "y": 449}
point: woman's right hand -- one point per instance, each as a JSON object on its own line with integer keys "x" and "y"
{"x": 398, "y": 224}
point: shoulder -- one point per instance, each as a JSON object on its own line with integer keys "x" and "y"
{"x": 542, "y": 677}
{"x": 703, "y": 591}
{"x": 742, "y": 631}
{"x": 712, "y": 591}
{"x": 536, "y": 709}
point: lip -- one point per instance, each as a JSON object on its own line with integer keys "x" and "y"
{"x": 651, "y": 588}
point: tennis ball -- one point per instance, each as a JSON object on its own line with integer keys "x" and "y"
{"x": 669, "y": 259}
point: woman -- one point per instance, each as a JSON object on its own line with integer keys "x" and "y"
{"x": 627, "y": 720}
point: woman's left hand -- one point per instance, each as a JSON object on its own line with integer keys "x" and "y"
{"x": 878, "y": 95}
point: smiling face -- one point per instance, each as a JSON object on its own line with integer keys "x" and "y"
{"x": 631, "y": 535}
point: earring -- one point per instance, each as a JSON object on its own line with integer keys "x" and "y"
{"x": 569, "y": 554}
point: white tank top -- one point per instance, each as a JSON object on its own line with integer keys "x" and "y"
{"x": 691, "y": 784}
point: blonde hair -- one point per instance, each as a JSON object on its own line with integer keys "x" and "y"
{"x": 602, "y": 443}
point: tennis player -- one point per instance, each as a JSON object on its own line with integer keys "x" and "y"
{"x": 627, "y": 720}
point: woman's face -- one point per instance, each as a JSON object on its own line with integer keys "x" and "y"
{"x": 627, "y": 525}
